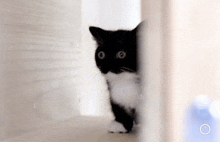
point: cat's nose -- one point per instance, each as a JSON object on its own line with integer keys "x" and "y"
{"x": 104, "y": 70}
{"x": 116, "y": 70}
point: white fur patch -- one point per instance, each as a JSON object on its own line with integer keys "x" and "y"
{"x": 125, "y": 89}
{"x": 116, "y": 127}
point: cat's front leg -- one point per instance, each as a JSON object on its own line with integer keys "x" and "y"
{"x": 124, "y": 126}
{"x": 116, "y": 127}
{"x": 123, "y": 122}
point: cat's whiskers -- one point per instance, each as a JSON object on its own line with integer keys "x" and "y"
{"x": 126, "y": 69}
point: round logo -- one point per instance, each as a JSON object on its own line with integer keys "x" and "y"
{"x": 205, "y": 129}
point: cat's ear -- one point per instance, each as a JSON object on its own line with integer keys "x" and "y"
{"x": 139, "y": 26}
{"x": 98, "y": 34}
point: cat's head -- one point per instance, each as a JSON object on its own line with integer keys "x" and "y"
{"x": 116, "y": 51}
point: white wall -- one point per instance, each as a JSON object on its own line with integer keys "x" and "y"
{"x": 43, "y": 60}
{"x": 195, "y": 55}
{"x": 152, "y": 71}
{"x": 40, "y": 43}
{"x": 183, "y": 43}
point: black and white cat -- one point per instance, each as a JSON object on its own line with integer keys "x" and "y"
{"x": 116, "y": 58}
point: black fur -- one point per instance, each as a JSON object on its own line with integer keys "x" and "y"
{"x": 111, "y": 42}
{"x": 122, "y": 116}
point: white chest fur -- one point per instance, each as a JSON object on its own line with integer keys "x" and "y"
{"x": 125, "y": 88}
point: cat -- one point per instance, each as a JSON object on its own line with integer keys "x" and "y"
{"x": 116, "y": 58}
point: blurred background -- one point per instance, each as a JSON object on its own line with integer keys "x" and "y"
{"x": 48, "y": 73}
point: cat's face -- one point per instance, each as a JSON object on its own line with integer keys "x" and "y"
{"x": 116, "y": 50}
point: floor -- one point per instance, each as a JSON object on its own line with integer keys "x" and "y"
{"x": 79, "y": 129}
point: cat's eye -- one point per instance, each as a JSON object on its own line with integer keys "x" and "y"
{"x": 121, "y": 55}
{"x": 101, "y": 55}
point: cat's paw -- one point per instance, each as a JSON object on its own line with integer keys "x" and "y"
{"x": 116, "y": 127}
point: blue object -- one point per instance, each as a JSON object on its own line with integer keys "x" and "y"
{"x": 200, "y": 125}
